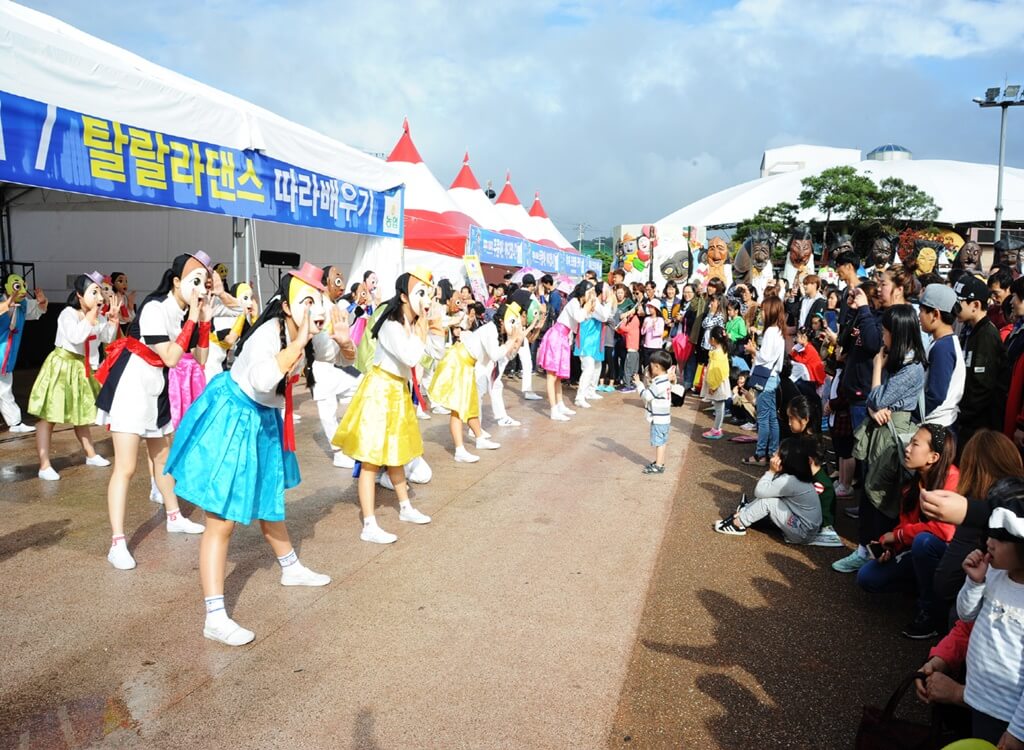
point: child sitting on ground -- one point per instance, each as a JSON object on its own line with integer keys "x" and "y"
{"x": 827, "y": 536}
{"x": 785, "y": 494}
{"x": 744, "y": 404}
{"x": 716, "y": 381}
{"x": 657, "y": 402}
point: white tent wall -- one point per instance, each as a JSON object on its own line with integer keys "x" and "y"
{"x": 70, "y": 234}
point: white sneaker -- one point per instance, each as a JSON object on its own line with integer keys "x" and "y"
{"x": 418, "y": 471}
{"x": 483, "y": 434}
{"x": 438, "y": 409}
{"x": 749, "y": 427}
{"x": 581, "y": 404}
{"x": 531, "y": 396}
{"x": 420, "y": 414}
{"x": 484, "y": 444}
{"x": 296, "y": 417}
{"x": 342, "y": 461}
{"x": 377, "y": 535}
{"x": 411, "y": 515}
{"x": 508, "y": 422}
{"x": 155, "y": 496}
{"x": 827, "y": 537}
{"x": 21, "y": 427}
{"x": 558, "y": 416}
{"x": 182, "y": 525}
{"x": 228, "y": 632}
{"x": 120, "y": 557}
{"x": 463, "y": 456}
{"x": 385, "y": 481}
{"x": 49, "y": 474}
{"x": 565, "y": 409}
{"x": 97, "y": 460}
{"x": 298, "y": 574}
{"x": 843, "y": 491}
{"x": 594, "y": 396}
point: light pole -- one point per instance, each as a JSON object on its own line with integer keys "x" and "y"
{"x": 1005, "y": 98}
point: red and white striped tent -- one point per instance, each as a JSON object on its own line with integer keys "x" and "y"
{"x": 466, "y": 193}
{"x": 544, "y": 230}
{"x": 435, "y": 227}
{"x": 513, "y": 217}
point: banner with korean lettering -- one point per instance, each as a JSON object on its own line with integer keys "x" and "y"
{"x": 49, "y": 147}
{"x": 496, "y": 248}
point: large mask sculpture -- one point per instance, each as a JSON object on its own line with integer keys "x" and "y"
{"x": 881, "y": 255}
{"x": 753, "y": 261}
{"x": 1008, "y": 253}
{"x": 799, "y": 255}
{"x": 926, "y": 255}
{"x": 969, "y": 257}
{"x": 714, "y": 264}
{"x": 676, "y": 268}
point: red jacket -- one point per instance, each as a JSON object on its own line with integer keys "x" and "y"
{"x": 810, "y": 359}
{"x": 910, "y": 523}
{"x": 630, "y": 330}
{"x": 953, "y": 648}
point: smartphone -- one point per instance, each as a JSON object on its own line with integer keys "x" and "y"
{"x": 875, "y": 549}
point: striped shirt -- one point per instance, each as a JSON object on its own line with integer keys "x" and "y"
{"x": 658, "y": 400}
{"x": 995, "y": 656}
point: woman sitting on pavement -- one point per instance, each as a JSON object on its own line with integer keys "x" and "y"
{"x": 785, "y": 494}
{"x": 913, "y": 549}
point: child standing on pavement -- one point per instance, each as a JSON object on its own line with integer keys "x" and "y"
{"x": 657, "y": 401}
{"x": 716, "y": 383}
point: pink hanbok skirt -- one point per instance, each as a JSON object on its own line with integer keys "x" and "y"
{"x": 554, "y": 352}
{"x": 185, "y": 381}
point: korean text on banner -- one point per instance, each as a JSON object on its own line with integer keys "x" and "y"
{"x": 49, "y": 147}
{"x": 475, "y": 274}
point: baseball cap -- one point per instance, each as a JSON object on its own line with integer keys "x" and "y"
{"x": 970, "y": 288}
{"x": 939, "y": 297}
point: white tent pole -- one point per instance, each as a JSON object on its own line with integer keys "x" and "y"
{"x": 234, "y": 250}
{"x": 248, "y": 272}
{"x": 255, "y": 257}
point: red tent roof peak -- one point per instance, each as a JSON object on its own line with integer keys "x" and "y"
{"x": 405, "y": 150}
{"x": 465, "y": 178}
{"x": 537, "y": 209}
{"x": 508, "y": 195}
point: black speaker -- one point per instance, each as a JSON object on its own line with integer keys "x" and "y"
{"x": 275, "y": 258}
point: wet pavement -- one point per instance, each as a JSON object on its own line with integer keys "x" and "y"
{"x": 559, "y": 599}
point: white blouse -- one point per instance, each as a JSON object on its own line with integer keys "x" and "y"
{"x": 255, "y": 369}
{"x": 397, "y": 352}
{"x": 482, "y": 344}
{"x": 572, "y": 314}
{"x": 72, "y": 332}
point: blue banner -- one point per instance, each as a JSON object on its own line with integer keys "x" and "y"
{"x": 505, "y": 250}
{"x": 49, "y": 147}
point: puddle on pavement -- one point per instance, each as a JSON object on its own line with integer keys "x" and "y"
{"x": 76, "y": 724}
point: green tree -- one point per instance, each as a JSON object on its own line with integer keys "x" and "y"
{"x": 896, "y": 201}
{"x": 778, "y": 220}
{"x": 839, "y": 191}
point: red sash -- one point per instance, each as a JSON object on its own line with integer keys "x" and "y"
{"x": 116, "y": 349}
{"x": 289, "y": 422}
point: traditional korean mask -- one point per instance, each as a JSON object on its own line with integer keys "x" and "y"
{"x": 193, "y": 280}
{"x": 335, "y": 284}
{"x": 760, "y": 254}
{"x": 120, "y": 284}
{"x": 926, "y": 259}
{"x": 718, "y": 252}
{"x": 371, "y": 283}
{"x": 1011, "y": 256}
{"x": 677, "y": 267}
{"x": 800, "y": 251}
{"x": 245, "y": 298}
{"x": 419, "y": 296}
{"x": 92, "y": 298}
{"x": 881, "y": 253}
{"x": 628, "y": 245}
{"x": 221, "y": 270}
{"x": 16, "y": 288}
{"x": 305, "y": 300}
{"x": 970, "y": 256}
{"x": 108, "y": 290}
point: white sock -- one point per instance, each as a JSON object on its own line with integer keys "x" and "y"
{"x": 119, "y": 539}
{"x": 290, "y": 559}
{"x": 215, "y": 611}
{"x": 404, "y": 505}
{"x": 173, "y": 515}
{"x": 862, "y": 550}
{"x": 370, "y": 522}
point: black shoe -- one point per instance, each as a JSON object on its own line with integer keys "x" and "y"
{"x": 653, "y": 468}
{"x": 921, "y": 629}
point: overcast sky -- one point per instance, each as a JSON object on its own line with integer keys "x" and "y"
{"x": 616, "y": 112}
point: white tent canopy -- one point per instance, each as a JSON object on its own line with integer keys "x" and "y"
{"x": 465, "y": 191}
{"x": 965, "y": 193}
{"x": 44, "y": 59}
{"x": 511, "y": 214}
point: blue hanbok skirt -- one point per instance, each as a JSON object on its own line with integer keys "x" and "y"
{"x": 228, "y": 455}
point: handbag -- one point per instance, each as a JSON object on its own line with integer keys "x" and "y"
{"x": 880, "y": 729}
{"x": 759, "y": 377}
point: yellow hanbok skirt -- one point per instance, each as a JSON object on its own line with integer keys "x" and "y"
{"x": 380, "y": 426}
{"x": 454, "y": 383}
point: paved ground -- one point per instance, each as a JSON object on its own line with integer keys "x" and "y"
{"x": 536, "y": 611}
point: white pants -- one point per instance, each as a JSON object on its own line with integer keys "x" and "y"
{"x": 589, "y": 373}
{"x": 8, "y": 406}
{"x": 332, "y": 384}
{"x": 526, "y": 358}
{"x": 495, "y": 392}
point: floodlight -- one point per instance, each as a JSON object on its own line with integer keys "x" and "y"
{"x": 1011, "y": 92}
{"x": 991, "y": 94}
